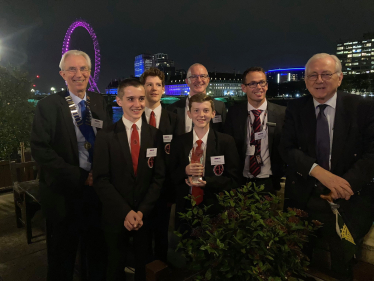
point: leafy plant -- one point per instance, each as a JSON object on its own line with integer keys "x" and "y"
{"x": 247, "y": 240}
{"x": 16, "y": 112}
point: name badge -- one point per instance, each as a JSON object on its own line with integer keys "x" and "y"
{"x": 96, "y": 123}
{"x": 151, "y": 152}
{"x": 217, "y": 160}
{"x": 250, "y": 150}
{"x": 217, "y": 119}
{"x": 167, "y": 138}
{"x": 260, "y": 135}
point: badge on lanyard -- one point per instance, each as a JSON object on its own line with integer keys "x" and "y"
{"x": 259, "y": 159}
{"x": 260, "y": 135}
{"x": 250, "y": 150}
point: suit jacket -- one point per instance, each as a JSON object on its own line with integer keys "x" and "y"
{"x": 352, "y": 156}
{"x": 168, "y": 126}
{"x": 236, "y": 125}
{"x": 179, "y": 108}
{"x": 217, "y": 144}
{"x": 54, "y": 147}
{"x": 119, "y": 190}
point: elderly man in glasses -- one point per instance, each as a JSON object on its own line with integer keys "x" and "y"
{"x": 328, "y": 144}
{"x": 62, "y": 143}
{"x": 256, "y": 127}
{"x": 198, "y": 80}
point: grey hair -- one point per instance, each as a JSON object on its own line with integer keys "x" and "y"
{"x": 189, "y": 69}
{"x": 338, "y": 64}
{"x": 74, "y": 53}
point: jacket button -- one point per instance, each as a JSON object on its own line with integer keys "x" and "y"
{"x": 293, "y": 182}
{"x": 355, "y": 155}
{"x": 300, "y": 147}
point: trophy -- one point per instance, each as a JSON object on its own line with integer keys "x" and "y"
{"x": 196, "y": 156}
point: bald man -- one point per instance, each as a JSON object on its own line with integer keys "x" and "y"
{"x": 197, "y": 79}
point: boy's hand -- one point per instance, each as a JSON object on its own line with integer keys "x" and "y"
{"x": 132, "y": 221}
{"x": 195, "y": 169}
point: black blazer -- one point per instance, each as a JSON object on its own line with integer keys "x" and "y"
{"x": 217, "y": 144}
{"x": 179, "y": 108}
{"x": 119, "y": 190}
{"x": 168, "y": 126}
{"x": 54, "y": 147}
{"x": 236, "y": 126}
{"x": 352, "y": 156}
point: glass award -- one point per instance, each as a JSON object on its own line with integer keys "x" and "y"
{"x": 196, "y": 156}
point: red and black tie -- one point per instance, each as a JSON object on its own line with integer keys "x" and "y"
{"x": 254, "y": 167}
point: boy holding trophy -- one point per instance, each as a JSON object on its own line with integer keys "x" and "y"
{"x": 203, "y": 162}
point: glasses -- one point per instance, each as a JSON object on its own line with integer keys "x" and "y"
{"x": 74, "y": 70}
{"x": 324, "y": 76}
{"x": 254, "y": 84}
{"x": 202, "y": 76}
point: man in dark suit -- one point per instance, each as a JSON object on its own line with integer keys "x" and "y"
{"x": 328, "y": 144}
{"x": 256, "y": 127}
{"x": 128, "y": 175}
{"x": 62, "y": 142}
{"x": 220, "y": 168}
{"x": 153, "y": 80}
{"x": 198, "y": 80}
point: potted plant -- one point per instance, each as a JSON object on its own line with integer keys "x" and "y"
{"x": 247, "y": 240}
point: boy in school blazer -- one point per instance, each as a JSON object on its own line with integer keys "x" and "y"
{"x": 221, "y": 169}
{"x": 128, "y": 176}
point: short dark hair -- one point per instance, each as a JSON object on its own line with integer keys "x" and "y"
{"x": 200, "y": 98}
{"x": 153, "y": 72}
{"x": 252, "y": 69}
{"x": 128, "y": 82}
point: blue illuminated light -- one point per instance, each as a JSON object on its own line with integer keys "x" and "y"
{"x": 286, "y": 69}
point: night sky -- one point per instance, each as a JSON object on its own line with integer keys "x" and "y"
{"x": 222, "y": 35}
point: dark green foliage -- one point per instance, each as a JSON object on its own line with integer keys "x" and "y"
{"x": 248, "y": 240}
{"x": 16, "y": 113}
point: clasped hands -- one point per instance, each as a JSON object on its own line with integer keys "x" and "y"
{"x": 195, "y": 169}
{"x": 133, "y": 220}
{"x": 338, "y": 186}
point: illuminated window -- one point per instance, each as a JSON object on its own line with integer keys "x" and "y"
{"x": 349, "y": 56}
{"x": 357, "y": 55}
{"x": 348, "y": 64}
{"x": 349, "y": 43}
{"x": 340, "y": 48}
{"x": 367, "y": 44}
{"x": 341, "y": 52}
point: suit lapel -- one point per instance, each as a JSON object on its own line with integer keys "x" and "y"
{"x": 243, "y": 123}
{"x": 68, "y": 120}
{"x": 164, "y": 122}
{"x": 124, "y": 144}
{"x": 210, "y": 151}
{"x": 146, "y": 141}
{"x": 340, "y": 130}
{"x": 309, "y": 122}
{"x": 272, "y": 117}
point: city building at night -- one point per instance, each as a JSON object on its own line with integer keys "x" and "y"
{"x": 357, "y": 56}
{"x": 142, "y": 63}
{"x": 221, "y": 84}
{"x": 282, "y": 75}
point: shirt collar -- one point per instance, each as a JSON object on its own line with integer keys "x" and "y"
{"x": 331, "y": 102}
{"x": 128, "y": 123}
{"x": 187, "y": 102}
{"x": 204, "y": 139}
{"x": 157, "y": 111}
{"x": 77, "y": 99}
{"x": 263, "y": 106}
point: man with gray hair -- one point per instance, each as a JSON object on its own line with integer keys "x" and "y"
{"x": 197, "y": 79}
{"x": 328, "y": 144}
{"x": 62, "y": 143}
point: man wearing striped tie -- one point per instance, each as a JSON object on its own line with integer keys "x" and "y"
{"x": 256, "y": 127}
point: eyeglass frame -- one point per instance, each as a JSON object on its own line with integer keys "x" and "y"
{"x": 202, "y": 76}
{"x": 82, "y": 69}
{"x": 323, "y": 79}
{"x": 255, "y": 84}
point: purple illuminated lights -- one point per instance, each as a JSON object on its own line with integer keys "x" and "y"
{"x": 65, "y": 47}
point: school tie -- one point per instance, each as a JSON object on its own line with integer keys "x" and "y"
{"x": 323, "y": 139}
{"x": 254, "y": 167}
{"x": 152, "y": 119}
{"x": 197, "y": 191}
{"x": 135, "y": 148}
{"x": 86, "y": 129}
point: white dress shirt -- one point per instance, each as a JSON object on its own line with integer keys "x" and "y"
{"x": 128, "y": 126}
{"x": 330, "y": 115}
{"x": 265, "y": 155}
{"x": 83, "y": 154}
{"x": 188, "y": 125}
{"x": 157, "y": 112}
